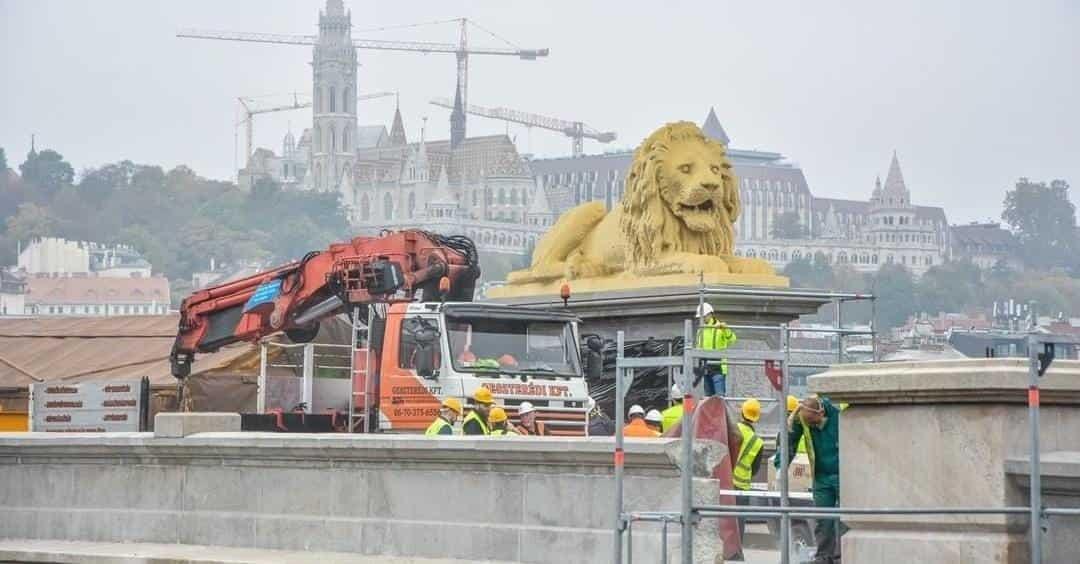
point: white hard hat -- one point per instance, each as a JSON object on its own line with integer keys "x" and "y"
{"x": 654, "y": 416}
{"x": 704, "y": 309}
{"x": 590, "y": 403}
{"x": 525, "y": 407}
{"x": 636, "y": 410}
{"x": 676, "y": 392}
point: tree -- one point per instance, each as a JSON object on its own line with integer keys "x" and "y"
{"x": 3, "y": 164}
{"x": 805, "y": 272}
{"x": 787, "y": 225}
{"x": 894, "y": 288}
{"x": 1044, "y": 221}
{"x": 31, "y": 221}
{"x": 48, "y": 172}
{"x": 955, "y": 286}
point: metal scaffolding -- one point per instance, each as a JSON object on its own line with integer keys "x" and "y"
{"x": 1040, "y": 355}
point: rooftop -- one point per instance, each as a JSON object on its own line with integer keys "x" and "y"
{"x": 96, "y": 290}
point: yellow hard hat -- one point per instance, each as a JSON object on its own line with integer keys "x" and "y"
{"x": 497, "y": 415}
{"x": 483, "y": 395}
{"x": 751, "y": 410}
{"x": 792, "y": 403}
{"x": 453, "y": 404}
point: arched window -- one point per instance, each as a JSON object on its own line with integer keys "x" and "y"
{"x": 333, "y": 106}
{"x": 502, "y": 196}
{"x": 388, "y": 207}
{"x": 332, "y": 137}
{"x": 514, "y": 197}
{"x": 344, "y": 172}
{"x": 318, "y": 137}
{"x": 318, "y": 100}
{"x": 345, "y": 139}
{"x": 475, "y": 198}
{"x": 346, "y": 100}
{"x": 487, "y": 196}
{"x": 412, "y": 204}
{"x": 365, "y": 208}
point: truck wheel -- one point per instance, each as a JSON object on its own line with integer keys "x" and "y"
{"x": 301, "y": 335}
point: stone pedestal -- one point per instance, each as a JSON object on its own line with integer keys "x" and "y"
{"x": 1061, "y": 489}
{"x": 924, "y": 434}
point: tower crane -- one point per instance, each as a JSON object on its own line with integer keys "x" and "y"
{"x": 249, "y": 113}
{"x": 575, "y": 130}
{"x": 461, "y": 49}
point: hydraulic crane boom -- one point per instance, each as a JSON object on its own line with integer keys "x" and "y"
{"x": 294, "y": 297}
{"x": 576, "y": 130}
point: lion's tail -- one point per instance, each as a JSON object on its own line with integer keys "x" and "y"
{"x": 552, "y": 250}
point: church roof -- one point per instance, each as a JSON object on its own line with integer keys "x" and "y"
{"x": 713, "y": 129}
{"x": 370, "y": 136}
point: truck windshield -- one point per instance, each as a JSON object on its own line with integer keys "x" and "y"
{"x": 517, "y": 346}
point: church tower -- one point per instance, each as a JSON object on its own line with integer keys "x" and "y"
{"x": 334, "y": 105}
{"x": 457, "y": 120}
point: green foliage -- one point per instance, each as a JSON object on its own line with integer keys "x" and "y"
{"x": 787, "y": 225}
{"x": 176, "y": 219}
{"x": 48, "y": 172}
{"x": 1045, "y": 223}
{"x": 3, "y": 160}
{"x": 894, "y": 287}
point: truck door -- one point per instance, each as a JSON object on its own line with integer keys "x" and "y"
{"x": 413, "y": 372}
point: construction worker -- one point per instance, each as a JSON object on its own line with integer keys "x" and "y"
{"x": 528, "y": 423}
{"x": 792, "y": 404}
{"x": 817, "y": 419}
{"x": 600, "y": 425}
{"x": 500, "y": 426}
{"x": 673, "y": 414}
{"x": 654, "y": 420}
{"x": 749, "y": 460}
{"x": 637, "y": 427}
{"x": 714, "y": 335}
{"x": 448, "y": 415}
{"x": 476, "y": 422}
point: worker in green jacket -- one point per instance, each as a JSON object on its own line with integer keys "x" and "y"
{"x": 817, "y": 419}
{"x": 672, "y": 415}
{"x": 714, "y": 335}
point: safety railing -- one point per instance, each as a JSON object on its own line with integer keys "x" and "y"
{"x": 689, "y": 513}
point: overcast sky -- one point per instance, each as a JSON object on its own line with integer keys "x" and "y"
{"x": 972, "y": 95}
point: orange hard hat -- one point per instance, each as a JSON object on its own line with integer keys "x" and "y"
{"x": 507, "y": 360}
{"x": 483, "y": 395}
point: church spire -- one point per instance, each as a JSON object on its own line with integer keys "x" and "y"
{"x": 712, "y": 128}
{"x": 457, "y": 120}
{"x": 397, "y": 130}
{"x": 895, "y": 191}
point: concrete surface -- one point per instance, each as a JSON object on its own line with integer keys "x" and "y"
{"x": 923, "y": 434}
{"x": 1061, "y": 488}
{"x": 512, "y": 499}
{"x": 178, "y": 425}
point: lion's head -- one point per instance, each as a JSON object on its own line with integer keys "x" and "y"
{"x": 681, "y": 195}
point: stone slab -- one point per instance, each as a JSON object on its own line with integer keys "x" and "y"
{"x": 179, "y": 425}
{"x": 73, "y": 552}
{"x": 947, "y": 381}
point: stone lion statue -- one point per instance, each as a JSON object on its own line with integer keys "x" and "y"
{"x": 677, "y": 215}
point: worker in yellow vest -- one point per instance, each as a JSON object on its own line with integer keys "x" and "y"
{"x": 476, "y": 422}
{"x": 749, "y": 459}
{"x": 714, "y": 335}
{"x": 672, "y": 415}
{"x": 500, "y": 425}
{"x": 448, "y": 414}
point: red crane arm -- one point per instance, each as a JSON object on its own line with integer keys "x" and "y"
{"x": 294, "y": 297}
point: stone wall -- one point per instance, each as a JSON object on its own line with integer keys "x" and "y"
{"x": 525, "y": 500}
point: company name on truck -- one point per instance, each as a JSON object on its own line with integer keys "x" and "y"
{"x": 511, "y": 389}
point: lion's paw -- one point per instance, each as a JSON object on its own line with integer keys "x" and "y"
{"x": 741, "y": 265}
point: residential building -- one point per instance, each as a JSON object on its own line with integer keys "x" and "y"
{"x": 984, "y": 244}
{"x": 50, "y": 255}
{"x": 12, "y": 293}
{"x": 83, "y": 295}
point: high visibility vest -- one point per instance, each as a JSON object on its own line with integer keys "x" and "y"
{"x": 671, "y": 416}
{"x": 713, "y": 337}
{"x": 502, "y": 432}
{"x": 751, "y": 446}
{"x": 437, "y": 426}
{"x": 475, "y": 416}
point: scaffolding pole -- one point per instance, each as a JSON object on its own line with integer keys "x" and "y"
{"x": 1035, "y": 481}
{"x": 782, "y": 474}
{"x": 687, "y": 436}
{"x": 620, "y": 404}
